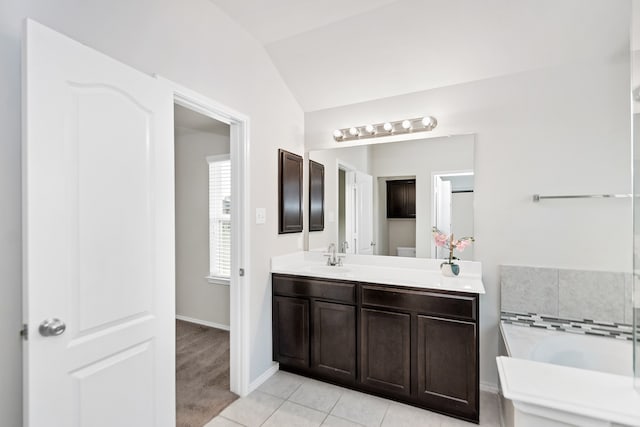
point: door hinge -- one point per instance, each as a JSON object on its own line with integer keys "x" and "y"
{"x": 24, "y": 332}
{"x": 241, "y": 272}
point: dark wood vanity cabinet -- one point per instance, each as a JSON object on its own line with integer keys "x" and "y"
{"x": 401, "y": 198}
{"x": 291, "y": 321}
{"x": 331, "y": 345}
{"x": 385, "y": 357}
{"x": 447, "y": 360}
{"x": 418, "y": 346}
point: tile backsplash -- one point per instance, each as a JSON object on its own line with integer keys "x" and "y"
{"x": 570, "y": 294}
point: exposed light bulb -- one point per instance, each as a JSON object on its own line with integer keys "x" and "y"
{"x": 370, "y": 129}
{"x": 427, "y": 121}
{"x": 354, "y": 131}
{"x": 337, "y": 134}
{"x": 388, "y": 126}
{"x": 406, "y": 124}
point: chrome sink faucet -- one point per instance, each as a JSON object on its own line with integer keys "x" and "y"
{"x": 332, "y": 258}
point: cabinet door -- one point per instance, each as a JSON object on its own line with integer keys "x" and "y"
{"x": 333, "y": 342}
{"x": 410, "y": 199}
{"x": 401, "y": 198}
{"x": 447, "y": 359}
{"x": 395, "y": 199}
{"x": 291, "y": 331}
{"x": 289, "y": 192}
{"x": 385, "y": 350}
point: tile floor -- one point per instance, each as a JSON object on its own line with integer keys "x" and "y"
{"x": 291, "y": 400}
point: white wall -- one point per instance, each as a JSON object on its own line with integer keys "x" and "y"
{"x": 462, "y": 220}
{"x": 562, "y": 130}
{"x": 194, "y": 44}
{"x": 195, "y": 296}
{"x": 402, "y": 233}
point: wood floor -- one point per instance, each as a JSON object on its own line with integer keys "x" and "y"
{"x": 202, "y": 373}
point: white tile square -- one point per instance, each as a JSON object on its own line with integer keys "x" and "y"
{"x": 333, "y": 421}
{"x": 595, "y": 295}
{"x": 222, "y": 422}
{"x": 252, "y": 410}
{"x": 529, "y": 289}
{"x": 281, "y": 384}
{"x": 454, "y": 422}
{"x": 317, "y": 395}
{"x": 399, "y": 415}
{"x": 293, "y": 415}
{"x": 361, "y": 408}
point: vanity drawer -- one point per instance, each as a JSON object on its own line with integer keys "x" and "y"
{"x": 298, "y": 286}
{"x": 422, "y": 302}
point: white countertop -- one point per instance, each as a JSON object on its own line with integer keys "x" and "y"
{"x": 389, "y": 270}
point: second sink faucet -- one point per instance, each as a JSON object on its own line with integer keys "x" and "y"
{"x": 333, "y": 259}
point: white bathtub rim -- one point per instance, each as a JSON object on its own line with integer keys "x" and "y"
{"x": 537, "y": 339}
{"x": 520, "y": 382}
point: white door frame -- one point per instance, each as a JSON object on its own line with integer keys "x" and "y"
{"x": 240, "y": 241}
{"x": 346, "y": 167}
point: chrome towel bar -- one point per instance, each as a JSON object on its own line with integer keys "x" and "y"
{"x": 537, "y": 197}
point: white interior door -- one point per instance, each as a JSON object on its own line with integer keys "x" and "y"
{"x": 364, "y": 200}
{"x": 98, "y": 239}
{"x": 443, "y": 210}
{"x": 350, "y": 212}
{"x": 359, "y": 212}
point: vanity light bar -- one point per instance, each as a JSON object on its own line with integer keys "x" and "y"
{"x": 422, "y": 124}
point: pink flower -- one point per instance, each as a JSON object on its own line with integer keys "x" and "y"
{"x": 440, "y": 239}
{"x": 462, "y": 244}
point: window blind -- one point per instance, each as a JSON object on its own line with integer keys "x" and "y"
{"x": 219, "y": 216}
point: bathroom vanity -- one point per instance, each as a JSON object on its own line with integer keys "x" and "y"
{"x": 386, "y": 326}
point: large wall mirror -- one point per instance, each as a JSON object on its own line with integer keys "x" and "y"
{"x": 384, "y": 198}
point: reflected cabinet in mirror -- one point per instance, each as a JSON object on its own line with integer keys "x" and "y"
{"x": 385, "y": 198}
{"x": 316, "y": 196}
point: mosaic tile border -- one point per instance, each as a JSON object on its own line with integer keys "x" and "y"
{"x": 620, "y": 331}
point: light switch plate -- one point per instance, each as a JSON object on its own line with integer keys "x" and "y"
{"x": 261, "y": 215}
{"x": 330, "y": 216}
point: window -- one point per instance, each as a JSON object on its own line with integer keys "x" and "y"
{"x": 219, "y": 218}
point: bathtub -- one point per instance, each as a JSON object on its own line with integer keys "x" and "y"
{"x": 613, "y": 356}
{"x": 557, "y": 379}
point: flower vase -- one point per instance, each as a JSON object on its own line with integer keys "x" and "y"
{"x": 450, "y": 269}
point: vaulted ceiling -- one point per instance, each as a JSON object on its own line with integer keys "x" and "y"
{"x": 338, "y": 52}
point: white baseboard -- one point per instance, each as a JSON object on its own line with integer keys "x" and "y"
{"x": 265, "y": 376}
{"x": 489, "y": 387}
{"x": 202, "y": 322}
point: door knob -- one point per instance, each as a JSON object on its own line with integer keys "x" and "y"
{"x": 52, "y": 327}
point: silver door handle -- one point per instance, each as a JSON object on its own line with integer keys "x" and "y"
{"x": 52, "y": 327}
